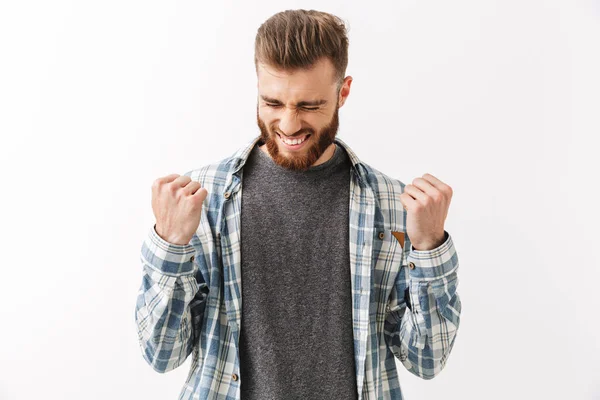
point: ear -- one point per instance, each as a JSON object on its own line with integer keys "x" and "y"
{"x": 344, "y": 90}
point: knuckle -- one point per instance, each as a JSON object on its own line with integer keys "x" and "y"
{"x": 191, "y": 187}
{"x": 158, "y": 182}
{"x": 180, "y": 196}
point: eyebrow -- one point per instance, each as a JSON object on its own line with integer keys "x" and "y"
{"x": 299, "y": 104}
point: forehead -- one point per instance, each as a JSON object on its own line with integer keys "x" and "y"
{"x": 297, "y": 84}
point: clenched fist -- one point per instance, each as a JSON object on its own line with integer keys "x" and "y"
{"x": 426, "y": 201}
{"x": 177, "y": 206}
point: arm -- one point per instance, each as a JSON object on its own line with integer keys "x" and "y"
{"x": 170, "y": 302}
{"x": 424, "y": 310}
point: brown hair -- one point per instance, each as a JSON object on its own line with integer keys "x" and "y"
{"x": 294, "y": 39}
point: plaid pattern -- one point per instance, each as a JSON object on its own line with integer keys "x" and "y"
{"x": 190, "y": 298}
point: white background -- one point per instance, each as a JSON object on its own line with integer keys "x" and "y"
{"x": 499, "y": 99}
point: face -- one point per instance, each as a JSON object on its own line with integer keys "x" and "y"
{"x": 297, "y": 113}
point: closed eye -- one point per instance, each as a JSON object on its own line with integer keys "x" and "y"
{"x": 303, "y": 108}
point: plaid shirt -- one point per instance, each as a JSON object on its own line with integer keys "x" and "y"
{"x": 405, "y": 303}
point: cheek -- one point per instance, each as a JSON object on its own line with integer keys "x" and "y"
{"x": 265, "y": 119}
{"x": 316, "y": 122}
{"x": 268, "y": 117}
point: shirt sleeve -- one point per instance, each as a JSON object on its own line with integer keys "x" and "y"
{"x": 170, "y": 301}
{"x": 424, "y": 309}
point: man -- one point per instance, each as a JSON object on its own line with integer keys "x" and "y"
{"x": 341, "y": 268}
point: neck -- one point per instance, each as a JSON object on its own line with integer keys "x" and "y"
{"x": 327, "y": 154}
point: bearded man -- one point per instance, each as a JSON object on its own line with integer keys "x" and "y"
{"x": 342, "y": 269}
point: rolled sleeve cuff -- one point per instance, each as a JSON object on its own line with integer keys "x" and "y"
{"x": 432, "y": 264}
{"x": 168, "y": 258}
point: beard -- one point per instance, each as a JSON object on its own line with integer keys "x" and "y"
{"x": 304, "y": 159}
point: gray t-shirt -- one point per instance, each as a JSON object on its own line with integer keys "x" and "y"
{"x": 296, "y": 336}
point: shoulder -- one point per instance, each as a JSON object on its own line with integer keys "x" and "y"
{"x": 213, "y": 174}
{"x": 381, "y": 183}
{"x": 390, "y": 213}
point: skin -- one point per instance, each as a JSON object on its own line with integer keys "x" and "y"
{"x": 426, "y": 200}
{"x": 279, "y": 112}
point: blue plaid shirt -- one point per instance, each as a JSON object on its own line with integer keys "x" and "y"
{"x": 405, "y": 303}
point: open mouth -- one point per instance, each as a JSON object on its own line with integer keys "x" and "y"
{"x": 296, "y": 142}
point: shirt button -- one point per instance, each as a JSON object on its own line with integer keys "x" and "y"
{"x": 227, "y": 194}
{"x": 234, "y": 377}
{"x": 411, "y": 265}
{"x": 192, "y": 258}
{"x": 381, "y": 235}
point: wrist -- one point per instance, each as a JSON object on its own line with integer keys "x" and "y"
{"x": 171, "y": 239}
{"x": 431, "y": 244}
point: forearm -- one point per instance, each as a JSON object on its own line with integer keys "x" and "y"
{"x": 163, "y": 314}
{"x": 424, "y": 319}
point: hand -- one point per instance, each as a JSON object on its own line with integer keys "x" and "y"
{"x": 177, "y": 206}
{"x": 426, "y": 202}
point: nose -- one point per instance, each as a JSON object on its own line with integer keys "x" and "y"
{"x": 290, "y": 122}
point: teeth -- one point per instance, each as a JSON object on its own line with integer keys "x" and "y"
{"x": 293, "y": 142}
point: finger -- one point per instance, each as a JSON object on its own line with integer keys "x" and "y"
{"x": 426, "y": 187}
{"x": 441, "y": 186}
{"x": 168, "y": 178}
{"x": 415, "y": 193}
{"x": 407, "y": 201}
{"x": 163, "y": 180}
{"x": 191, "y": 187}
{"x": 434, "y": 181}
{"x": 182, "y": 181}
{"x": 201, "y": 193}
